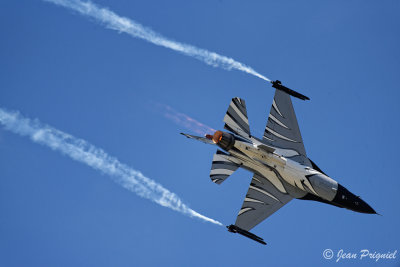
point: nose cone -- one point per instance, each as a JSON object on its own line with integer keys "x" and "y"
{"x": 348, "y": 200}
{"x": 363, "y": 207}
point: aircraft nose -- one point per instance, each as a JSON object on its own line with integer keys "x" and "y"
{"x": 346, "y": 199}
{"x": 362, "y": 206}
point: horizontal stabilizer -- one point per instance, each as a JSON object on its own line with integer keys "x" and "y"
{"x": 235, "y": 229}
{"x": 222, "y": 167}
{"x": 199, "y": 138}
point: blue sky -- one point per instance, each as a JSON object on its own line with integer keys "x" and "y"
{"x": 100, "y": 85}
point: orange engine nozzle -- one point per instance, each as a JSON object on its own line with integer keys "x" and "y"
{"x": 224, "y": 140}
{"x": 217, "y": 137}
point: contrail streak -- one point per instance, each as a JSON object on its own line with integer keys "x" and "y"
{"x": 122, "y": 24}
{"x": 86, "y": 153}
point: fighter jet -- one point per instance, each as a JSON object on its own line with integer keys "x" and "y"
{"x": 279, "y": 163}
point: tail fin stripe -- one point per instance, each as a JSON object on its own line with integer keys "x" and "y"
{"x": 276, "y": 108}
{"x": 236, "y": 118}
{"x": 238, "y": 121}
{"x": 238, "y": 111}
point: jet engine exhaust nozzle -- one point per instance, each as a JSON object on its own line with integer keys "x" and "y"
{"x": 222, "y": 139}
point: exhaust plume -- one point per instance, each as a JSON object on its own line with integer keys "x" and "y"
{"x": 98, "y": 159}
{"x": 122, "y": 24}
{"x": 183, "y": 120}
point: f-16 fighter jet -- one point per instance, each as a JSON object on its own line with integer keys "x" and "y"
{"x": 282, "y": 170}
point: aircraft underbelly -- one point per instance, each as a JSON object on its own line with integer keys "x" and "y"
{"x": 291, "y": 177}
{"x": 310, "y": 181}
{"x": 258, "y": 167}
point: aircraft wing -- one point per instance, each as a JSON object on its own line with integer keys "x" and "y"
{"x": 261, "y": 201}
{"x": 282, "y": 130}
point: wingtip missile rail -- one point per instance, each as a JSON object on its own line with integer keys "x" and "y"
{"x": 235, "y": 229}
{"x": 278, "y": 85}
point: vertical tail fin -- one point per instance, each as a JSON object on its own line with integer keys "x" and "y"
{"x": 236, "y": 119}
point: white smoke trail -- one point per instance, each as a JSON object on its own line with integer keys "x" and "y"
{"x": 134, "y": 29}
{"x": 84, "y": 152}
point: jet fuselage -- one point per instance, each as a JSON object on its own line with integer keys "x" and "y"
{"x": 288, "y": 176}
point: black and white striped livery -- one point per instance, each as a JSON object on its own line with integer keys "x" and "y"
{"x": 261, "y": 201}
{"x": 222, "y": 167}
{"x": 236, "y": 119}
{"x": 281, "y": 169}
{"x": 282, "y": 130}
